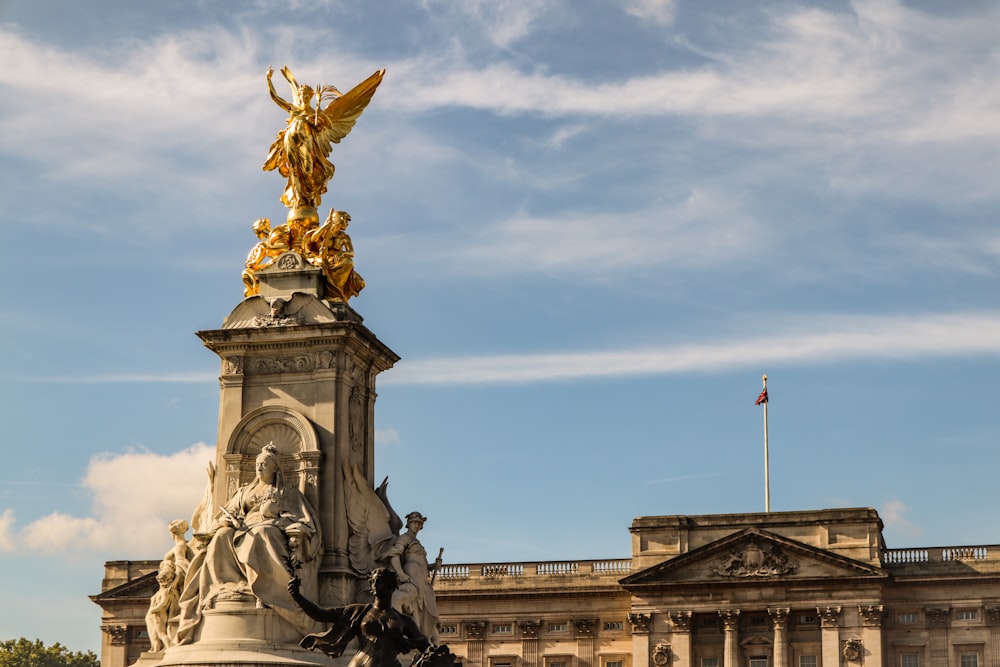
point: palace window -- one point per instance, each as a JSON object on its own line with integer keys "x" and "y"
{"x": 503, "y": 629}
{"x": 967, "y": 615}
{"x": 807, "y": 619}
{"x": 614, "y": 663}
{"x": 968, "y": 660}
{"x": 909, "y": 617}
{"x": 807, "y": 661}
{"x": 709, "y": 662}
{"x": 909, "y": 660}
{"x": 758, "y": 620}
{"x": 614, "y": 625}
{"x": 557, "y": 627}
{"x": 448, "y": 629}
{"x": 758, "y": 661}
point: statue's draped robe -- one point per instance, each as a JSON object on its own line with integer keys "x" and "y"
{"x": 255, "y": 557}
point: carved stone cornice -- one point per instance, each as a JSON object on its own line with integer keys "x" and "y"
{"x": 851, "y": 650}
{"x": 639, "y": 623}
{"x": 585, "y": 627}
{"x": 872, "y": 615}
{"x": 779, "y": 617}
{"x": 829, "y": 616}
{"x": 681, "y": 620}
{"x": 730, "y": 619}
{"x": 937, "y": 616}
{"x": 475, "y": 630}
{"x": 118, "y": 633}
{"x": 661, "y": 654}
{"x": 529, "y": 629}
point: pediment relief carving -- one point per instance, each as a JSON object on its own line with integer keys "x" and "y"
{"x": 752, "y": 559}
{"x": 752, "y": 554}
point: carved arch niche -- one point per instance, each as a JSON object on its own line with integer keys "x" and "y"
{"x": 292, "y": 434}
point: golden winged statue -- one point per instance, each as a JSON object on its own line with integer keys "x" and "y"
{"x": 301, "y": 150}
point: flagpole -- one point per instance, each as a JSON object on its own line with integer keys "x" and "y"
{"x": 767, "y": 464}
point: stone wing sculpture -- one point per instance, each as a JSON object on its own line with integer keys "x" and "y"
{"x": 374, "y": 524}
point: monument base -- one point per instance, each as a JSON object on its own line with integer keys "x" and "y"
{"x": 238, "y": 633}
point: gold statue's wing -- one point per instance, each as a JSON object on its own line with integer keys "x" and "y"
{"x": 340, "y": 115}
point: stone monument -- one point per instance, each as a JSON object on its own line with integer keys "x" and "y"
{"x": 290, "y": 494}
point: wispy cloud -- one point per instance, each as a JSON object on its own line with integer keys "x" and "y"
{"x": 818, "y": 340}
{"x": 892, "y": 516}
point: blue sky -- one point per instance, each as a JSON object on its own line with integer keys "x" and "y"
{"x": 588, "y": 227}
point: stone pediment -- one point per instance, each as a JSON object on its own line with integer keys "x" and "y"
{"x": 753, "y": 555}
{"x": 141, "y": 587}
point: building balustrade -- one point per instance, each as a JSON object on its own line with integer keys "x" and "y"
{"x": 939, "y": 554}
{"x": 616, "y": 568}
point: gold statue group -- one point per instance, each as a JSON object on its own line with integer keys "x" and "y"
{"x": 301, "y": 154}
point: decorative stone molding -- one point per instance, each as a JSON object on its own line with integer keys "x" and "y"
{"x": 829, "y": 616}
{"x": 529, "y": 629}
{"x": 730, "y": 618}
{"x": 585, "y": 627}
{"x": 475, "y": 629}
{"x": 993, "y": 615}
{"x": 851, "y": 650}
{"x": 232, "y": 365}
{"x": 639, "y": 623}
{"x": 118, "y": 633}
{"x": 779, "y": 616}
{"x": 872, "y": 615}
{"x": 756, "y": 558}
{"x": 938, "y": 616}
{"x": 661, "y": 654}
{"x": 681, "y": 620}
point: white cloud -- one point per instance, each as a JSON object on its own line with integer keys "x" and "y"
{"x": 386, "y": 436}
{"x": 702, "y": 229}
{"x": 657, "y": 11}
{"x": 818, "y": 340}
{"x": 892, "y": 516}
{"x": 134, "y": 496}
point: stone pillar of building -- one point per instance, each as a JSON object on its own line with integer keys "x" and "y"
{"x": 475, "y": 633}
{"x": 585, "y": 631}
{"x": 641, "y": 652}
{"x": 829, "y": 635}
{"x": 299, "y": 371}
{"x": 871, "y": 634}
{"x": 779, "y": 618}
{"x": 937, "y": 643}
{"x": 529, "y": 643}
{"x": 680, "y": 644}
{"x": 115, "y": 645}
{"x": 731, "y": 623}
{"x": 992, "y": 658}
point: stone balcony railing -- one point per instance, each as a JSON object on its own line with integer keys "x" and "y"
{"x": 485, "y": 572}
{"x": 983, "y": 558}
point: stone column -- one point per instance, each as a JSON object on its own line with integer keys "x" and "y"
{"x": 529, "y": 643}
{"x": 640, "y": 639}
{"x": 779, "y": 617}
{"x": 585, "y": 641}
{"x": 871, "y": 634}
{"x": 475, "y": 633}
{"x": 938, "y": 636}
{"x": 681, "y": 643}
{"x": 830, "y": 636}
{"x": 731, "y": 623}
{"x": 992, "y": 657}
{"x": 118, "y": 640}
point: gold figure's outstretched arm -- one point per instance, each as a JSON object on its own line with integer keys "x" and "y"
{"x": 274, "y": 95}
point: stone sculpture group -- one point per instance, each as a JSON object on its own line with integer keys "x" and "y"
{"x": 266, "y": 536}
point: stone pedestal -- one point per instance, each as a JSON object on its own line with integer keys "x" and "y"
{"x": 299, "y": 371}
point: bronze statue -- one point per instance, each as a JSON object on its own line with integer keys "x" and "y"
{"x": 301, "y": 150}
{"x": 383, "y": 633}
